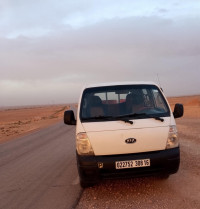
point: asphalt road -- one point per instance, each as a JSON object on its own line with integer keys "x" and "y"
{"x": 39, "y": 170}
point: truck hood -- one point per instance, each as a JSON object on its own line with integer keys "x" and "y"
{"x": 109, "y": 137}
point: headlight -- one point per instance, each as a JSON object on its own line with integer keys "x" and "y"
{"x": 172, "y": 140}
{"x": 83, "y": 145}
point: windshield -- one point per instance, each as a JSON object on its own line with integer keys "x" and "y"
{"x": 133, "y": 101}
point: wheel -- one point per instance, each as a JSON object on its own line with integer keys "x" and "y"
{"x": 85, "y": 184}
{"x": 88, "y": 177}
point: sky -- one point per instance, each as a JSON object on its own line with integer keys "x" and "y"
{"x": 50, "y": 49}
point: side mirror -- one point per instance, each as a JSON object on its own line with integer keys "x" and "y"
{"x": 178, "y": 111}
{"x": 69, "y": 118}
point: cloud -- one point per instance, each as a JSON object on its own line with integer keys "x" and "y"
{"x": 39, "y": 18}
{"x": 162, "y": 10}
{"x": 135, "y": 48}
{"x": 30, "y": 92}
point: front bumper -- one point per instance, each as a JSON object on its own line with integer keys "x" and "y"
{"x": 162, "y": 162}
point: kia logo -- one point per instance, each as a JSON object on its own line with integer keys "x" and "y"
{"x": 130, "y": 140}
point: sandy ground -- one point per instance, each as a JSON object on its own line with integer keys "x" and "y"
{"x": 191, "y": 105}
{"x": 16, "y": 122}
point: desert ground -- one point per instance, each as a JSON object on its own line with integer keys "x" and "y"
{"x": 191, "y": 105}
{"x": 15, "y": 122}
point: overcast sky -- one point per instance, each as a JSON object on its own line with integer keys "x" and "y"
{"x": 49, "y": 49}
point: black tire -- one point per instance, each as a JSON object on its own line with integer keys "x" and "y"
{"x": 83, "y": 181}
{"x": 85, "y": 184}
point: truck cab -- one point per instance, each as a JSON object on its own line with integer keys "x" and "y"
{"x": 125, "y": 130}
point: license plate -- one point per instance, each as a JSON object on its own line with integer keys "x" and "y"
{"x": 132, "y": 163}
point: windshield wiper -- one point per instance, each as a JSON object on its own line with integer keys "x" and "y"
{"x": 101, "y": 117}
{"x": 144, "y": 114}
{"x": 124, "y": 117}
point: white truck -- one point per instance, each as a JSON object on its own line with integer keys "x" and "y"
{"x": 123, "y": 130}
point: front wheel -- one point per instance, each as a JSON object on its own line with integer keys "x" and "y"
{"x": 88, "y": 175}
{"x": 85, "y": 181}
{"x": 85, "y": 184}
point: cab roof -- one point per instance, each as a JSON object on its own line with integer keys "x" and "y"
{"x": 120, "y": 83}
